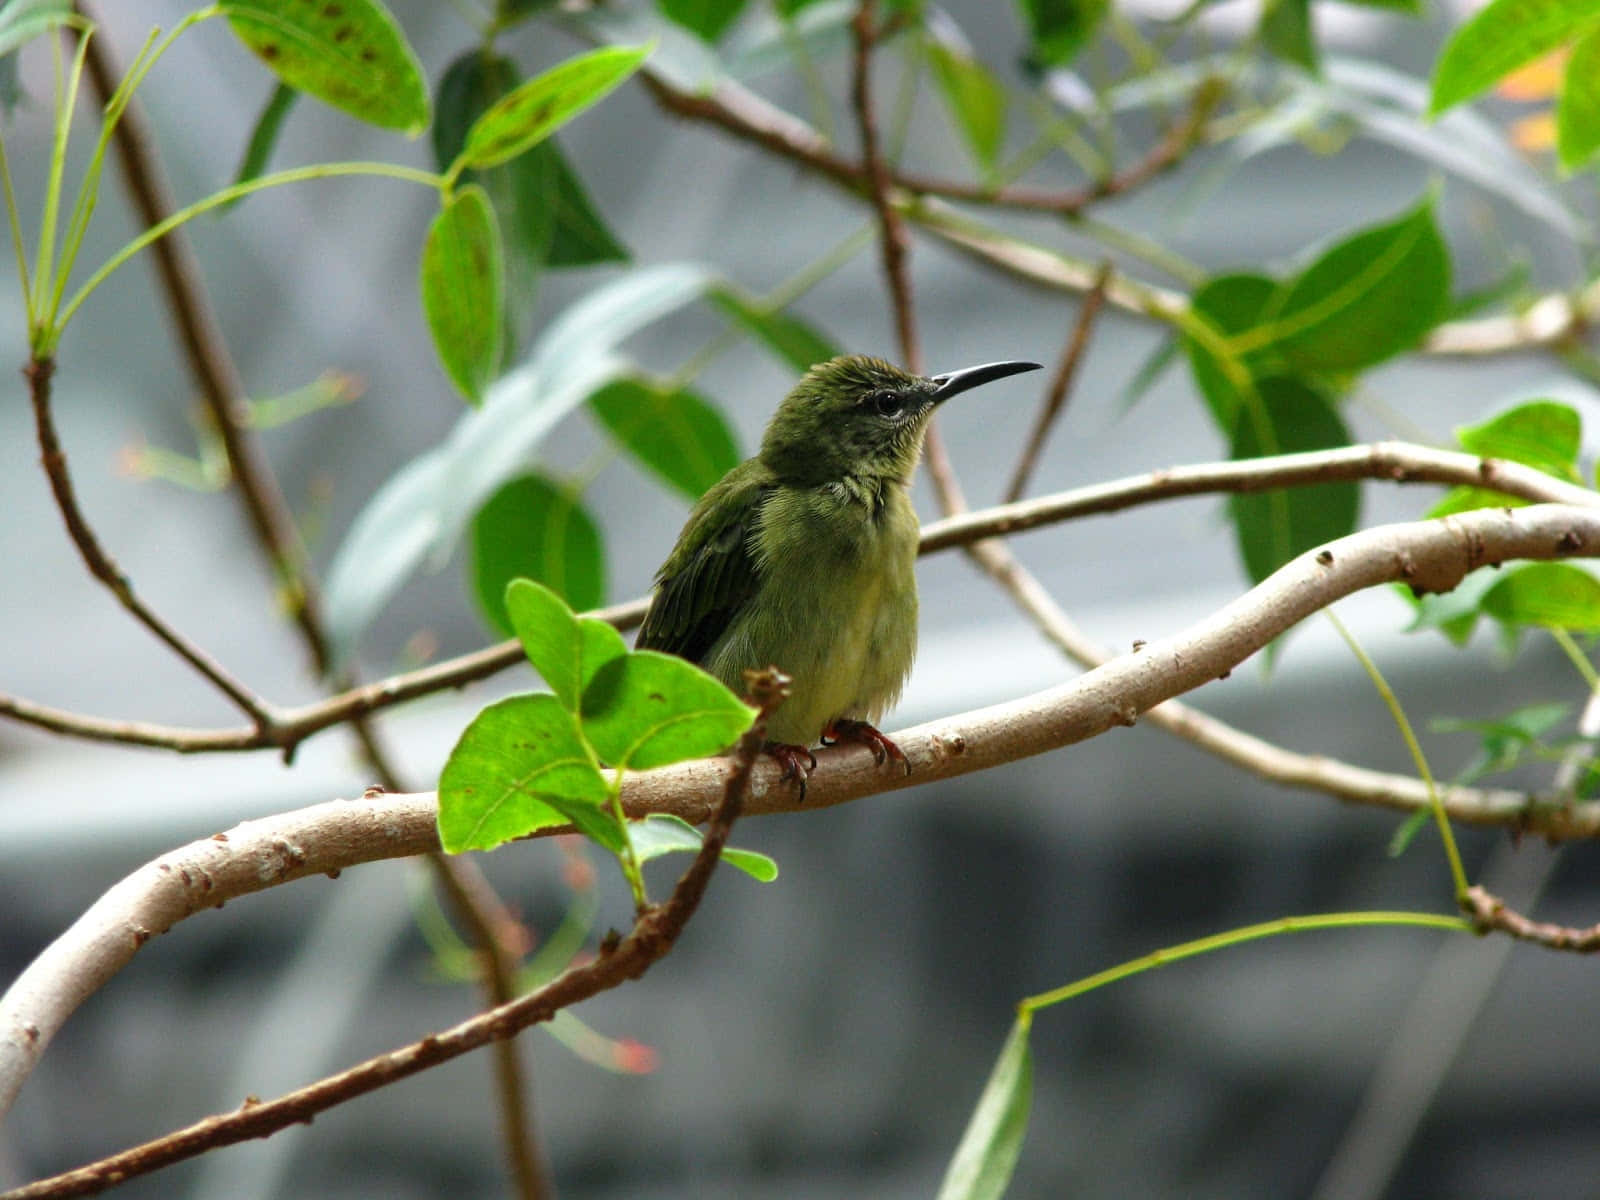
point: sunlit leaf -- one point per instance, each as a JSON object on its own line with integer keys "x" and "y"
{"x": 1552, "y": 595}
{"x": 676, "y": 434}
{"x": 351, "y": 55}
{"x": 650, "y": 709}
{"x": 463, "y": 290}
{"x": 564, "y": 648}
{"x": 663, "y": 833}
{"x": 1541, "y": 433}
{"x": 1578, "y": 118}
{"x": 1499, "y": 39}
{"x": 1453, "y": 613}
{"x": 987, "y": 1154}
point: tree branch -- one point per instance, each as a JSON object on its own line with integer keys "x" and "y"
{"x": 1489, "y": 912}
{"x": 328, "y": 837}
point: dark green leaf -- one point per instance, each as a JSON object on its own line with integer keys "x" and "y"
{"x": 708, "y": 18}
{"x": 1578, "y": 118}
{"x": 565, "y": 649}
{"x": 1499, "y": 39}
{"x": 519, "y": 767}
{"x": 663, "y": 833}
{"x": 1228, "y": 305}
{"x": 650, "y": 709}
{"x": 1552, "y": 595}
{"x": 543, "y": 104}
{"x": 1365, "y": 299}
{"x": 1541, "y": 433}
{"x": 1412, "y": 7}
{"x": 786, "y": 335}
{"x": 982, "y": 1165}
{"x": 1273, "y": 527}
{"x": 678, "y": 435}
{"x": 1058, "y": 29}
{"x": 975, "y": 98}
{"x": 509, "y": 12}
{"x": 531, "y": 529}
{"x": 262, "y": 139}
{"x": 579, "y": 236}
{"x": 351, "y": 55}
{"x": 463, "y": 290}
{"x": 1286, "y": 31}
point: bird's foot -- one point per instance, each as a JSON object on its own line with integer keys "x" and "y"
{"x": 797, "y": 763}
{"x": 882, "y": 746}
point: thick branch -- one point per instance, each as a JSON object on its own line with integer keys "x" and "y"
{"x": 329, "y": 837}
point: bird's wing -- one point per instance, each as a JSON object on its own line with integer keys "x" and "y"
{"x": 711, "y": 573}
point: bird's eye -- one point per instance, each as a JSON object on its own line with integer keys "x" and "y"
{"x": 886, "y": 403}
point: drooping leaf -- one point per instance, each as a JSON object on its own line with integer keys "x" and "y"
{"x": 263, "y": 138}
{"x": 663, "y": 833}
{"x": 351, "y": 55}
{"x": 1578, "y": 117}
{"x": 1549, "y": 594}
{"x": 463, "y": 290}
{"x": 786, "y": 335}
{"x": 1150, "y": 371}
{"x": 539, "y": 107}
{"x": 650, "y": 709}
{"x": 1227, "y": 305}
{"x": 532, "y": 529}
{"x": 1286, "y": 31}
{"x": 707, "y": 18}
{"x": 975, "y": 99}
{"x": 520, "y": 766}
{"x": 1504, "y": 742}
{"x": 1273, "y": 527}
{"x": 1453, "y": 613}
{"x": 1058, "y": 29}
{"x": 1544, "y": 434}
{"x": 1365, "y": 299}
{"x": 987, "y": 1154}
{"x": 677, "y": 434}
{"x": 1499, "y": 39}
{"x": 23, "y": 20}
{"x": 564, "y": 648}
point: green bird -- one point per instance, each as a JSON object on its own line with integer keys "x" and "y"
{"x": 802, "y": 557}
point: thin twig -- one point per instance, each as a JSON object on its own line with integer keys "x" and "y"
{"x": 1489, "y": 912}
{"x": 101, "y": 565}
{"x": 1060, "y": 385}
{"x": 652, "y": 937}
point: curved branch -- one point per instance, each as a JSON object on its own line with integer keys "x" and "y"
{"x": 1432, "y": 555}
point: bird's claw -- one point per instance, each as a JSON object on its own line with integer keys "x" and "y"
{"x": 881, "y": 744}
{"x": 797, "y": 763}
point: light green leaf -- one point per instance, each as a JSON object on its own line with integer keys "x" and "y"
{"x": 987, "y": 1154}
{"x": 663, "y": 833}
{"x": 1578, "y": 117}
{"x": 544, "y": 103}
{"x": 463, "y": 290}
{"x": 351, "y": 55}
{"x": 677, "y": 434}
{"x": 975, "y": 98}
{"x": 23, "y": 20}
{"x": 533, "y": 529}
{"x": 708, "y": 18}
{"x": 650, "y": 709}
{"x": 1453, "y": 613}
{"x": 790, "y": 338}
{"x": 564, "y": 648}
{"x": 1499, "y": 39}
{"x": 1058, "y": 29}
{"x": 1552, "y": 595}
{"x": 263, "y": 138}
{"x": 1543, "y": 434}
{"x": 1273, "y": 527}
{"x": 1365, "y": 299}
{"x": 520, "y": 766}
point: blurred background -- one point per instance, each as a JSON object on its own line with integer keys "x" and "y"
{"x": 826, "y": 1035}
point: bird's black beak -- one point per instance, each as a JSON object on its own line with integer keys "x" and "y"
{"x": 956, "y": 382}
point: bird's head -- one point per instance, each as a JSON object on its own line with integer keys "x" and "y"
{"x": 854, "y": 415}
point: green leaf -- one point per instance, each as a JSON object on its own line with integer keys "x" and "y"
{"x": 794, "y": 341}
{"x": 1578, "y": 117}
{"x": 1543, "y": 434}
{"x": 564, "y": 648}
{"x": 1149, "y": 374}
{"x": 1273, "y": 527}
{"x": 1286, "y": 30}
{"x": 263, "y": 138}
{"x": 663, "y": 833}
{"x": 677, "y": 434}
{"x": 463, "y": 290}
{"x": 975, "y": 98}
{"x": 1552, "y": 595}
{"x": 708, "y": 18}
{"x": 1228, "y": 305}
{"x": 1453, "y": 613}
{"x": 650, "y": 709}
{"x": 23, "y": 20}
{"x": 532, "y": 529}
{"x": 987, "y": 1153}
{"x": 1503, "y": 36}
{"x": 520, "y": 766}
{"x": 579, "y": 236}
{"x": 1366, "y": 299}
{"x": 351, "y": 55}
{"x": 544, "y": 103}
{"x": 1058, "y": 29}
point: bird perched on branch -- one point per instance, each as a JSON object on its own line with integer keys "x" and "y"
{"x": 802, "y": 557}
